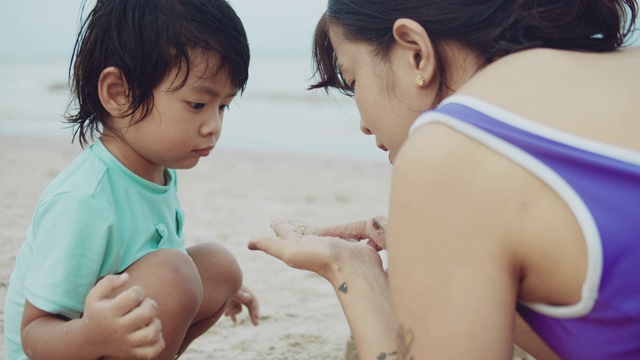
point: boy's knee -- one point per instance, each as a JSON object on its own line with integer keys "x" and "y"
{"x": 186, "y": 279}
{"x": 179, "y": 277}
{"x": 217, "y": 267}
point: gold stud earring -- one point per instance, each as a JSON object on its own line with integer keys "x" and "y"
{"x": 420, "y": 80}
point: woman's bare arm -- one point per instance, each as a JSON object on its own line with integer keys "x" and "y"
{"x": 530, "y": 342}
{"x": 355, "y": 271}
{"x": 453, "y": 277}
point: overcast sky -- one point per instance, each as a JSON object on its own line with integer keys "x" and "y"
{"x": 46, "y": 29}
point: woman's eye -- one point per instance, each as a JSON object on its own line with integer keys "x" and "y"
{"x": 352, "y": 85}
{"x": 223, "y": 108}
{"x": 196, "y": 106}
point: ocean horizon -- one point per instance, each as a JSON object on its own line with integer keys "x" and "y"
{"x": 275, "y": 113}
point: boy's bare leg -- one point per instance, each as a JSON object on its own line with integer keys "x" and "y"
{"x": 221, "y": 278}
{"x": 191, "y": 290}
{"x": 171, "y": 278}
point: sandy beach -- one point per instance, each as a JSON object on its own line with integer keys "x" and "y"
{"x": 230, "y": 197}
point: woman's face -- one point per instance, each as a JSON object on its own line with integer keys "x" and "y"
{"x": 386, "y": 93}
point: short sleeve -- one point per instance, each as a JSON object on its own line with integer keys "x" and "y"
{"x": 74, "y": 238}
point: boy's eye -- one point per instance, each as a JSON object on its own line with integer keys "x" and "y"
{"x": 223, "y": 108}
{"x": 196, "y": 106}
{"x": 352, "y": 85}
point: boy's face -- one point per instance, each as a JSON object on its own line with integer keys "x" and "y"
{"x": 184, "y": 124}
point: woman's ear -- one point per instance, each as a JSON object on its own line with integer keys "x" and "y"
{"x": 112, "y": 90}
{"x": 414, "y": 40}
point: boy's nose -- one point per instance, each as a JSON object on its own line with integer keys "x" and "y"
{"x": 213, "y": 126}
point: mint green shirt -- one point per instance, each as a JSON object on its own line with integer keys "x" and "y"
{"x": 95, "y": 218}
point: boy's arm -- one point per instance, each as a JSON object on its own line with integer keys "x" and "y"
{"x": 116, "y": 322}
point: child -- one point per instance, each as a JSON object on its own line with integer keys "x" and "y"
{"x": 104, "y": 271}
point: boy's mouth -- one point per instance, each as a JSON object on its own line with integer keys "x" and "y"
{"x": 204, "y": 151}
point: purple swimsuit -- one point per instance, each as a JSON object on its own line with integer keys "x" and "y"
{"x": 600, "y": 183}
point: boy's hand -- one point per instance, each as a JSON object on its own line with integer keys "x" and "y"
{"x": 244, "y": 297}
{"x": 122, "y": 322}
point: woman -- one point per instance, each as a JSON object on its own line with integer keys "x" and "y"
{"x": 513, "y": 129}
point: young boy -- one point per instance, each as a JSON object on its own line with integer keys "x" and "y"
{"x": 104, "y": 271}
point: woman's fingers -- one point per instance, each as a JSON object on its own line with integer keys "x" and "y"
{"x": 291, "y": 229}
{"x": 373, "y": 229}
{"x": 376, "y": 229}
{"x": 265, "y": 244}
{"x": 287, "y": 251}
{"x": 356, "y": 230}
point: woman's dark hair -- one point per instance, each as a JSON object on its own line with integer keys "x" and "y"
{"x": 491, "y": 28}
{"x": 146, "y": 39}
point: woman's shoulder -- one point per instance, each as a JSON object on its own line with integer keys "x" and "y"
{"x": 567, "y": 90}
{"x": 546, "y": 66}
{"x": 550, "y": 58}
{"x": 441, "y": 171}
{"x": 439, "y": 156}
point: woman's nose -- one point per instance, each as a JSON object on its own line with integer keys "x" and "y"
{"x": 364, "y": 128}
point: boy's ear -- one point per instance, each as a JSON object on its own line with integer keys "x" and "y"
{"x": 413, "y": 38}
{"x": 112, "y": 90}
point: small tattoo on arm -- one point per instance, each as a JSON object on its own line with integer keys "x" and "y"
{"x": 404, "y": 341}
{"x": 343, "y": 287}
{"x": 385, "y": 356}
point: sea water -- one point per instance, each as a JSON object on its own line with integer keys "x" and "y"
{"x": 275, "y": 113}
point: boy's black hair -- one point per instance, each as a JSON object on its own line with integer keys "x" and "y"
{"x": 146, "y": 39}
